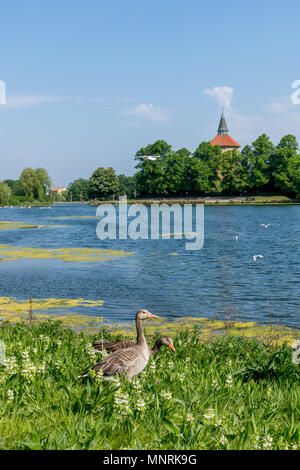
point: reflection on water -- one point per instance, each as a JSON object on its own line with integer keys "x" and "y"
{"x": 218, "y": 281}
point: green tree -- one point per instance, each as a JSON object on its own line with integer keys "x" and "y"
{"x": 233, "y": 174}
{"x": 79, "y": 190}
{"x": 43, "y": 184}
{"x": 104, "y": 183}
{"x": 28, "y": 182}
{"x": 160, "y": 147}
{"x": 281, "y": 174}
{"x": 199, "y": 177}
{"x": 259, "y": 156}
{"x": 175, "y": 172}
{"x": 127, "y": 186}
{"x": 35, "y": 183}
{"x": 293, "y": 170}
{"x": 5, "y": 192}
{"x": 150, "y": 179}
{"x": 207, "y": 152}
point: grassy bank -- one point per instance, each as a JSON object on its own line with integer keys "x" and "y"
{"x": 227, "y": 201}
{"x": 223, "y": 393}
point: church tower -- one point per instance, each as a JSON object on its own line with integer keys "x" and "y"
{"x": 223, "y": 139}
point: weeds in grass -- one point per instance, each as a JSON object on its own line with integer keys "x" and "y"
{"x": 229, "y": 393}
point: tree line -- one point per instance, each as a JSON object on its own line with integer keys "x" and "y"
{"x": 33, "y": 184}
{"x": 259, "y": 168}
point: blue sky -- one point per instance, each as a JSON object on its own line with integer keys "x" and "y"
{"x": 89, "y": 83}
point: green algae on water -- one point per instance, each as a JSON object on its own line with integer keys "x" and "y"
{"x": 15, "y": 310}
{"x": 13, "y": 253}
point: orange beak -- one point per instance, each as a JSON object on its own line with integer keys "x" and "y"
{"x": 171, "y": 347}
{"x": 150, "y": 315}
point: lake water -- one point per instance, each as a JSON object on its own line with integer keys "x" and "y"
{"x": 161, "y": 276}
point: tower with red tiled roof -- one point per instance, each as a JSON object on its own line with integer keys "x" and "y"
{"x": 223, "y": 139}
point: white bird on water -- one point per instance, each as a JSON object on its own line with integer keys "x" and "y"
{"x": 257, "y": 256}
{"x": 236, "y": 237}
{"x": 265, "y": 225}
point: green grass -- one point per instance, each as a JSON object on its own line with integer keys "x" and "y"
{"x": 278, "y": 198}
{"x": 230, "y": 393}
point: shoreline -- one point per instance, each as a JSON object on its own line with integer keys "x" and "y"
{"x": 209, "y": 201}
{"x": 207, "y": 328}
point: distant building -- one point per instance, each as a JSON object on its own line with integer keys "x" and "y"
{"x": 223, "y": 139}
{"x": 58, "y": 190}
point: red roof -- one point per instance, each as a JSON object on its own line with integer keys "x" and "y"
{"x": 224, "y": 140}
{"x": 59, "y": 188}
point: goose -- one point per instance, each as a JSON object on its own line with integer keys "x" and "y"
{"x": 112, "y": 346}
{"x": 130, "y": 361}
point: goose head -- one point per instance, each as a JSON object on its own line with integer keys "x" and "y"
{"x": 165, "y": 341}
{"x": 143, "y": 314}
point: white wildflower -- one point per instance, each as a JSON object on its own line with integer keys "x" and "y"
{"x": 136, "y": 385}
{"x": 116, "y": 381}
{"x": 28, "y": 369}
{"x": 42, "y": 368}
{"x": 166, "y": 395}
{"x": 223, "y": 440}
{"x": 209, "y": 415}
{"x": 10, "y": 395}
{"x": 91, "y": 352}
{"x": 189, "y": 418}
{"x": 121, "y": 403}
{"x": 10, "y": 365}
{"x": 99, "y": 375}
{"x": 140, "y": 405}
{"x": 25, "y": 354}
{"x": 267, "y": 442}
{"x": 229, "y": 381}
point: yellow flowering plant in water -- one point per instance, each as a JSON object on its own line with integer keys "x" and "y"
{"x": 13, "y": 253}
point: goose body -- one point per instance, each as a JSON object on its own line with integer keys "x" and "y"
{"x": 113, "y": 346}
{"x": 130, "y": 361}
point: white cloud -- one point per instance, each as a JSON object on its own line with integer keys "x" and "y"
{"x": 223, "y": 95}
{"x": 148, "y": 111}
{"x": 25, "y": 101}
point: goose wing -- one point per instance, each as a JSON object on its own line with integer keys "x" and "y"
{"x": 118, "y": 362}
{"x": 112, "y": 346}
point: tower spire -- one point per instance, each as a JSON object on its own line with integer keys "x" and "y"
{"x": 222, "y": 129}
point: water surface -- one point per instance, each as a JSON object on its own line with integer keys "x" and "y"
{"x": 221, "y": 279}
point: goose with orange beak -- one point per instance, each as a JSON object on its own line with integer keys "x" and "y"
{"x": 130, "y": 361}
{"x": 113, "y": 346}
